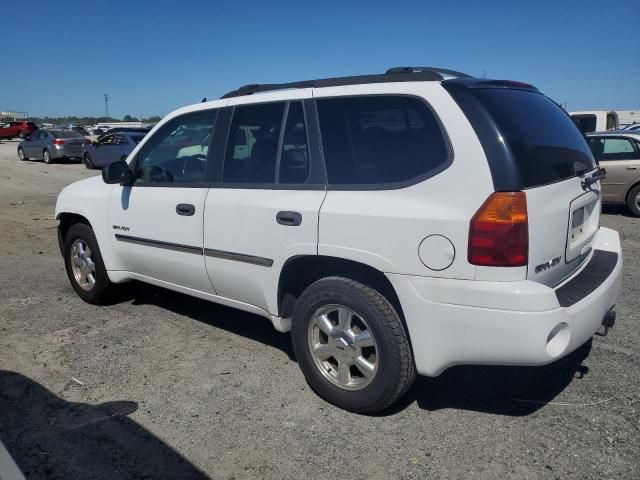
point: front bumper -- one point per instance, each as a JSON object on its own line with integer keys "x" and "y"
{"x": 453, "y": 322}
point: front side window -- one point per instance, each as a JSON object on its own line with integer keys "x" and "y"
{"x": 252, "y": 149}
{"x": 378, "y": 140}
{"x": 177, "y": 152}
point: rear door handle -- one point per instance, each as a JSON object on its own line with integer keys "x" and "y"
{"x": 185, "y": 209}
{"x": 289, "y": 219}
{"x": 631, "y": 167}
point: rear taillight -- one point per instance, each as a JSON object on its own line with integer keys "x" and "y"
{"x": 499, "y": 231}
{"x": 59, "y": 141}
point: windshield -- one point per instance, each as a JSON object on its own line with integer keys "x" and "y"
{"x": 136, "y": 138}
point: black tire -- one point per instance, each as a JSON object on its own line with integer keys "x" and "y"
{"x": 21, "y": 135}
{"x": 86, "y": 159}
{"x": 633, "y": 201}
{"x": 21, "y": 154}
{"x": 46, "y": 156}
{"x": 395, "y": 366}
{"x": 103, "y": 290}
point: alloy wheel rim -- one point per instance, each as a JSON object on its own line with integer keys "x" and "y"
{"x": 47, "y": 157}
{"x": 637, "y": 200}
{"x": 21, "y": 154}
{"x": 343, "y": 347}
{"x": 82, "y": 265}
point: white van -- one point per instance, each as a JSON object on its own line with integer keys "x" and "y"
{"x": 595, "y": 120}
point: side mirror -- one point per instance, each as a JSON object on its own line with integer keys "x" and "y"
{"x": 117, "y": 172}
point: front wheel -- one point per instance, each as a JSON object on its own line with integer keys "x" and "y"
{"x": 633, "y": 201}
{"x": 84, "y": 265}
{"x": 351, "y": 345}
{"x": 47, "y": 157}
{"x": 21, "y": 154}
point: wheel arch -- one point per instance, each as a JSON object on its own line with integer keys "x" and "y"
{"x": 299, "y": 272}
{"x": 66, "y": 221}
{"x": 631, "y": 187}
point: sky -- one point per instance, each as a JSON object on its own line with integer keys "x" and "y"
{"x": 60, "y": 57}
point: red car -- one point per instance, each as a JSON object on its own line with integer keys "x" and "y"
{"x": 21, "y": 129}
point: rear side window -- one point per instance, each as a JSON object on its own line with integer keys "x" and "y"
{"x": 380, "y": 140}
{"x": 543, "y": 142}
{"x": 586, "y": 123}
{"x": 609, "y": 149}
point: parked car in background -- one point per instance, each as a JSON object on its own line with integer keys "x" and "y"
{"x": 619, "y": 152}
{"x": 80, "y": 130}
{"x": 595, "y": 120}
{"x": 349, "y": 220}
{"x": 632, "y": 127}
{"x": 18, "y": 129}
{"x": 97, "y": 131}
{"x": 110, "y": 148}
{"x": 50, "y": 145}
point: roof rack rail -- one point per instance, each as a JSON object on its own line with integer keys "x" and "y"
{"x": 398, "y": 74}
{"x": 446, "y": 71}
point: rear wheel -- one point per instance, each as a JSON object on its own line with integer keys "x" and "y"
{"x": 633, "y": 201}
{"x": 21, "y": 154}
{"x": 84, "y": 265}
{"x": 351, "y": 345}
{"x": 21, "y": 135}
{"x": 47, "y": 156}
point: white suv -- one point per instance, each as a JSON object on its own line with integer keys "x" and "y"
{"x": 396, "y": 223}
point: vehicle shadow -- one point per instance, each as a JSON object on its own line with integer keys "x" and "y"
{"x": 49, "y": 437}
{"x": 510, "y": 391}
{"x": 500, "y": 390}
{"x": 235, "y": 321}
{"x": 613, "y": 209}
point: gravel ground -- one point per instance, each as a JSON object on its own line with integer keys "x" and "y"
{"x": 164, "y": 386}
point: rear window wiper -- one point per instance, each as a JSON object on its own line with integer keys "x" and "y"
{"x": 599, "y": 174}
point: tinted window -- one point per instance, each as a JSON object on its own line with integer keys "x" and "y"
{"x": 379, "y": 140}
{"x": 543, "y": 141}
{"x": 65, "y": 134}
{"x": 136, "y": 138}
{"x": 586, "y": 123}
{"x": 252, "y": 149}
{"x": 294, "y": 156}
{"x": 177, "y": 152}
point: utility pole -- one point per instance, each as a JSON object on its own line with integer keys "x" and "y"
{"x": 106, "y": 105}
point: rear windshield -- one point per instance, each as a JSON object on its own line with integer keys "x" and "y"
{"x": 586, "y": 123}
{"x": 544, "y": 142}
{"x": 65, "y": 134}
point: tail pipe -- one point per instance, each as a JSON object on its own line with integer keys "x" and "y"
{"x": 608, "y": 322}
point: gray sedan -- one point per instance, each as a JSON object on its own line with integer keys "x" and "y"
{"x": 110, "y": 148}
{"x": 49, "y": 145}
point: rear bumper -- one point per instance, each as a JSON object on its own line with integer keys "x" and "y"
{"x": 454, "y": 322}
{"x": 60, "y": 151}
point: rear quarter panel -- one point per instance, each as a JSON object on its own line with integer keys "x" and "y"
{"x": 384, "y": 228}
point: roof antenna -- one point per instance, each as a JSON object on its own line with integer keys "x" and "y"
{"x": 204, "y": 99}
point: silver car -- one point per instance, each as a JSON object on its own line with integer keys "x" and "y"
{"x": 52, "y": 144}
{"x": 110, "y": 148}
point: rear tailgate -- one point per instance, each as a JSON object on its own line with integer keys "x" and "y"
{"x": 563, "y": 221}
{"x": 532, "y": 145}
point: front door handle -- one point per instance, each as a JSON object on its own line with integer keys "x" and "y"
{"x": 631, "y": 167}
{"x": 289, "y": 219}
{"x": 185, "y": 209}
